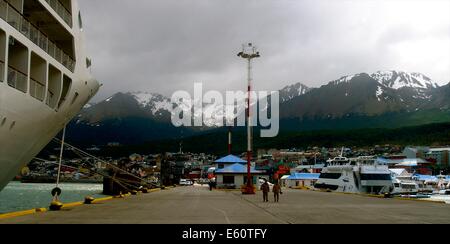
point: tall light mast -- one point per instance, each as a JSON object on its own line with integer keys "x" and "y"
{"x": 249, "y": 52}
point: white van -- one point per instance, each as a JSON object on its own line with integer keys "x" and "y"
{"x": 184, "y": 182}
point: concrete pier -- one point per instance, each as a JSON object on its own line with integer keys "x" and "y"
{"x": 198, "y": 205}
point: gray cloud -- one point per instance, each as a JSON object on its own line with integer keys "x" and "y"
{"x": 166, "y": 45}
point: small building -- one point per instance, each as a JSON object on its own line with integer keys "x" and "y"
{"x": 440, "y": 155}
{"x": 412, "y": 165}
{"x": 316, "y": 169}
{"x": 300, "y": 180}
{"x": 234, "y": 176}
{"x": 229, "y": 160}
{"x": 399, "y": 173}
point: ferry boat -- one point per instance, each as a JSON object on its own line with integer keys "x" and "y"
{"x": 402, "y": 187}
{"x": 45, "y": 77}
{"x": 443, "y": 185}
{"x": 356, "y": 175}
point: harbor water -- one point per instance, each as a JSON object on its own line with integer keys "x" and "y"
{"x": 19, "y": 196}
{"x": 442, "y": 198}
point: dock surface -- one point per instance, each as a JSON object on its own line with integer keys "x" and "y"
{"x": 198, "y": 205}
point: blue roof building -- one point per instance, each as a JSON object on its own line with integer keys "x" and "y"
{"x": 303, "y": 176}
{"x": 300, "y": 180}
{"x": 230, "y": 159}
{"x": 238, "y": 169}
{"x": 234, "y": 176}
{"x": 426, "y": 178}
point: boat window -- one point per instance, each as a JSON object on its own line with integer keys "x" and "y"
{"x": 409, "y": 186}
{"x": 67, "y": 82}
{"x": 330, "y": 175}
{"x": 74, "y": 99}
{"x": 80, "y": 21}
{"x": 54, "y": 86}
{"x": 2, "y": 55}
{"x": 355, "y": 178}
{"x": 376, "y": 177}
{"x": 396, "y": 185}
{"x": 38, "y": 77}
{"x": 88, "y": 63}
{"x": 17, "y": 65}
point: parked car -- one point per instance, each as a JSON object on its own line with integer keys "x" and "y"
{"x": 203, "y": 181}
{"x": 184, "y": 182}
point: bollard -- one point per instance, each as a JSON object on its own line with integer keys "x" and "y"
{"x": 56, "y": 206}
{"x": 88, "y": 200}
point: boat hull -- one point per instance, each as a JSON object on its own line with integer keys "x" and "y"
{"x": 27, "y": 124}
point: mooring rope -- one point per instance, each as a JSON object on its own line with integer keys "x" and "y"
{"x": 56, "y": 192}
{"x": 79, "y": 151}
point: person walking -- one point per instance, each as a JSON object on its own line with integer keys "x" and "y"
{"x": 277, "y": 191}
{"x": 265, "y": 188}
{"x": 211, "y": 185}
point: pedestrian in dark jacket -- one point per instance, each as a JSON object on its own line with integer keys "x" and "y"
{"x": 265, "y": 188}
{"x": 211, "y": 185}
{"x": 276, "y": 192}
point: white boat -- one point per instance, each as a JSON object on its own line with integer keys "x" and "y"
{"x": 443, "y": 182}
{"x": 357, "y": 175}
{"x": 45, "y": 77}
{"x": 444, "y": 192}
{"x": 405, "y": 187}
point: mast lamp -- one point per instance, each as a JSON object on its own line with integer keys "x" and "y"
{"x": 249, "y": 52}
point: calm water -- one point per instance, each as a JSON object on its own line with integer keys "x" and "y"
{"x": 441, "y": 198}
{"x": 18, "y": 196}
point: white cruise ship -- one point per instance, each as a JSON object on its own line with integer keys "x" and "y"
{"x": 358, "y": 175}
{"x": 45, "y": 77}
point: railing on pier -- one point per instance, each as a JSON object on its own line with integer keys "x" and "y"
{"x": 20, "y": 23}
{"x": 17, "y": 79}
{"x": 61, "y": 11}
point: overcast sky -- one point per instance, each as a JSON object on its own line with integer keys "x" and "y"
{"x": 166, "y": 45}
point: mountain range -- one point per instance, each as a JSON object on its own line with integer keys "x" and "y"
{"x": 387, "y": 99}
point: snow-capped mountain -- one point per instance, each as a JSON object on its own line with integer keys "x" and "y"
{"x": 369, "y": 94}
{"x": 365, "y": 94}
{"x": 369, "y": 98}
{"x": 156, "y": 103}
{"x": 293, "y": 91}
{"x": 398, "y": 79}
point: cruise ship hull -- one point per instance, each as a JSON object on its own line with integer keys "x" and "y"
{"x": 29, "y": 126}
{"x": 29, "y": 120}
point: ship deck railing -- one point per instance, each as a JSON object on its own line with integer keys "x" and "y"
{"x": 20, "y": 23}
{"x": 37, "y": 89}
{"x": 61, "y": 11}
{"x": 17, "y": 79}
